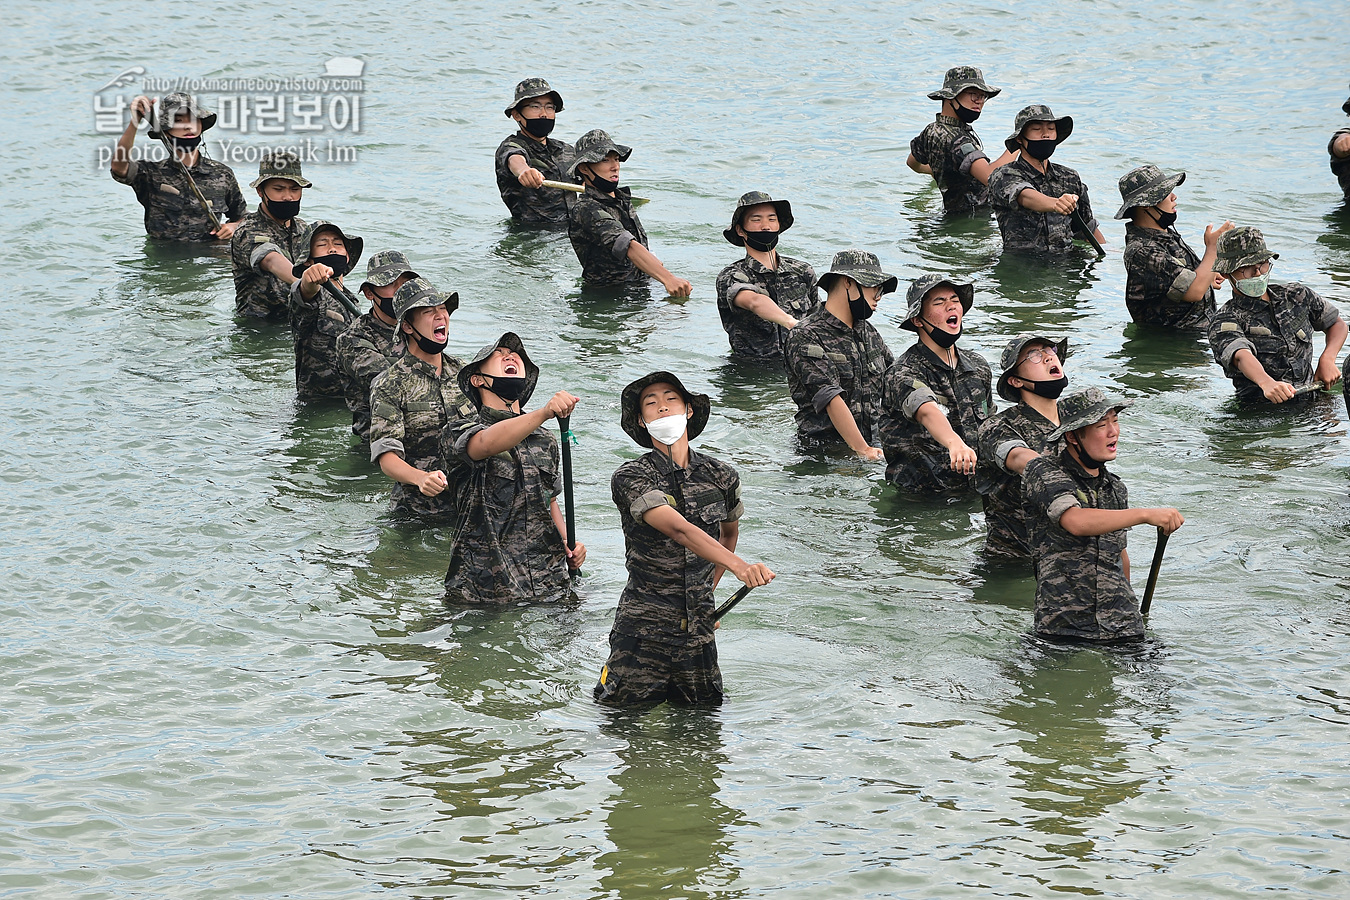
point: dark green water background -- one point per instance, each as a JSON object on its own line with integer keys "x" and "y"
{"x": 227, "y": 674}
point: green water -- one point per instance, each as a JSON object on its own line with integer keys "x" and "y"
{"x": 228, "y": 674}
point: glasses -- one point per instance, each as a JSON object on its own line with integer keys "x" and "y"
{"x": 1253, "y": 271}
{"x": 539, "y": 108}
{"x": 1036, "y": 357}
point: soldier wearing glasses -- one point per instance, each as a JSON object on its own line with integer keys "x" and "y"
{"x": 1263, "y": 336}
{"x": 950, "y": 150}
{"x": 528, "y": 158}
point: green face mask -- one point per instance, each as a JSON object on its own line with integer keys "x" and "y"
{"x": 1253, "y": 287}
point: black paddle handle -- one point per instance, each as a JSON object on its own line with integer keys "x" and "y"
{"x": 569, "y": 500}
{"x": 1153, "y": 572}
{"x": 1092, "y": 238}
{"x": 735, "y": 598}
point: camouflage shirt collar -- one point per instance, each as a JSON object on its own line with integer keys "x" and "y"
{"x": 665, "y": 465}
{"x": 758, "y": 268}
{"x": 962, "y": 364}
{"x": 622, "y": 196}
{"x": 420, "y": 365}
{"x": 488, "y": 414}
{"x": 944, "y": 119}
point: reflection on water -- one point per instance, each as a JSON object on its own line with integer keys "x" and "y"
{"x": 1154, "y": 360}
{"x": 672, "y": 834}
{"x": 1041, "y": 293}
{"x": 1078, "y": 730}
{"x": 1265, "y": 439}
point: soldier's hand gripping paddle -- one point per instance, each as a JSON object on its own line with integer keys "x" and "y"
{"x": 1153, "y": 572}
{"x": 569, "y": 498}
{"x": 298, "y": 270}
{"x": 579, "y": 188}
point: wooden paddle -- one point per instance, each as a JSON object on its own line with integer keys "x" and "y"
{"x": 579, "y": 188}
{"x": 1153, "y": 572}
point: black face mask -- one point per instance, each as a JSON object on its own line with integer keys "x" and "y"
{"x": 283, "y": 210}
{"x": 335, "y": 261}
{"x": 185, "y": 145}
{"x": 940, "y": 336}
{"x": 384, "y": 304}
{"x": 1042, "y": 150}
{"x": 540, "y": 127}
{"x": 966, "y": 115}
{"x": 763, "y": 241}
{"x": 604, "y": 185}
{"x": 860, "y": 309}
{"x": 508, "y": 387}
{"x": 1051, "y": 389}
{"x": 1164, "y": 219}
{"x": 427, "y": 345}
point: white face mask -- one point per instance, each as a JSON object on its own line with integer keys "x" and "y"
{"x": 667, "y": 429}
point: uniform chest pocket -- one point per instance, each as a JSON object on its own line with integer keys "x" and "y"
{"x": 705, "y": 505}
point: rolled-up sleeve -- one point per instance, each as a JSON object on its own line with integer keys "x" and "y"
{"x": 1226, "y": 338}
{"x": 1004, "y": 186}
{"x": 964, "y": 155}
{"x": 255, "y": 258}
{"x": 1046, "y": 487}
{"x": 818, "y": 376}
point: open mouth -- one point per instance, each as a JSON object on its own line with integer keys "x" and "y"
{"x": 953, "y": 321}
{"x": 511, "y": 367}
{"x": 1111, "y": 447}
{"x": 439, "y": 333}
{"x": 1054, "y": 371}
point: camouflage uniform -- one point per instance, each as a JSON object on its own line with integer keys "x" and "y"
{"x": 602, "y": 227}
{"x": 365, "y": 350}
{"x": 1032, "y": 232}
{"x": 792, "y": 285}
{"x": 667, "y": 584}
{"x": 1340, "y": 167}
{"x": 317, "y": 322}
{"x": 369, "y": 346}
{"x": 172, "y": 210}
{"x": 662, "y": 643}
{"x": 1278, "y": 331}
{"x": 1018, "y": 426}
{"x": 1081, "y": 588}
{"x": 915, "y": 460}
{"x": 257, "y": 293}
{"x": 410, "y": 405}
{"x": 507, "y": 547}
{"x": 535, "y": 206}
{"x": 825, "y": 358}
{"x": 950, "y": 147}
{"x": 1159, "y": 269}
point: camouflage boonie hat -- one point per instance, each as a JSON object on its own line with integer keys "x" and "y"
{"x": 1146, "y": 186}
{"x": 631, "y": 415}
{"x": 925, "y": 283}
{"x": 1084, "y": 408}
{"x": 1008, "y": 362}
{"x": 594, "y": 146}
{"x": 962, "y": 78}
{"x": 1038, "y": 112}
{"x": 862, "y": 267}
{"x": 353, "y": 243}
{"x": 416, "y": 293}
{"x": 531, "y": 88}
{"x": 757, "y": 198}
{"x": 1243, "y": 246}
{"x": 384, "y": 268}
{"x": 511, "y": 341}
{"x": 279, "y": 164}
{"x": 168, "y": 108}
